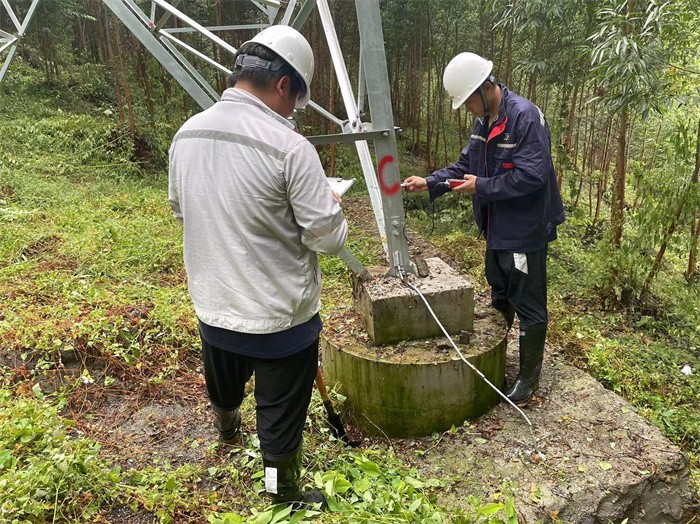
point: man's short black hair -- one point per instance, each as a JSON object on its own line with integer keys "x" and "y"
{"x": 260, "y": 77}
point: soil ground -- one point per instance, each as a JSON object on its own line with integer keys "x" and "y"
{"x": 588, "y": 457}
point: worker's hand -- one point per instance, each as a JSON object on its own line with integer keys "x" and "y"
{"x": 337, "y": 198}
{"x": 468, "y": 187}
{"x": 415, "y": 184}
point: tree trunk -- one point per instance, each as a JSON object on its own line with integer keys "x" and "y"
{"x": 644, "y": 143}
{"x": 578, "y": 191}
{"x": 113, "y": 66}
{"x": 676, "y": 216}
{"x": 484, "y": 30}
{"x": 617, "y": 211}
{"x": 691, "y": 272}
{"x": 561, "y": 149}
{"x": 605, "y": 168}
{"x": 509, "y": 55}
{"x": 576, "y": 139}
{"x": 429, "y": 108}
{"x": 568, "y": 134}
{"x": 125, "y": 81}
{"x": 591, "y": 159}
{"x": 142, "y": 69}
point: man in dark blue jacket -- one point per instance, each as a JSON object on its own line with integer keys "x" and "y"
{"x": 507, "y": 169}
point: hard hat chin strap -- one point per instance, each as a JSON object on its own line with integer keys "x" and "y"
{"x": 484, "y": 102}
{"x": 482, "y": 94}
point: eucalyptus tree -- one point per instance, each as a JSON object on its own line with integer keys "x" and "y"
{"x": 544, "y": 48}
{"x": 626, "y": 51}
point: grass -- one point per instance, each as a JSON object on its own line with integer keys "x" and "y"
{"x": 637, "y": 352}
{"x": 91, "y": 272}
{"x": 90, "y": 265}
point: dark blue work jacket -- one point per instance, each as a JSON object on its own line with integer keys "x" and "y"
{"x": 517, "y": 204}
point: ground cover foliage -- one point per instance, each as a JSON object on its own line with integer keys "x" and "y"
{"x": 95, "y": 314}
{"x": 94, "y": 304}
{"x": 645, "y": 348}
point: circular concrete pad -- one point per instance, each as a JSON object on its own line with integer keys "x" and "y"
{"x": 417, "y": 387}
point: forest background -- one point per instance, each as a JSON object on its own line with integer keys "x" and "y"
{"x": 87, "y": 111}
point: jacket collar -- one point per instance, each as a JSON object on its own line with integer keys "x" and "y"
{"x": 241, "y": 96}
{"x": 502, "y": 106}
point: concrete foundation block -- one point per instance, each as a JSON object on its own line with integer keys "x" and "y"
{"x": 394, "y": 312}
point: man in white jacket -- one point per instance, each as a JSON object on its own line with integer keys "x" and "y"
{"x": 256, "y": 209}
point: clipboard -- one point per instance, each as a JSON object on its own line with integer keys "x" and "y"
{"x": 340, "y": 185}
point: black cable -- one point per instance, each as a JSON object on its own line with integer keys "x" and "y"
{"x": 405, "y": 222}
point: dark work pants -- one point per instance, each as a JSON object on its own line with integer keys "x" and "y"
{"x": 282, "y": 392}
{"x": 519, "y": 279}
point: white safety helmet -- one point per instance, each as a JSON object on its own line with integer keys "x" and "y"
{"x": 291, "y": 45}
{"x": 463, "y": 75}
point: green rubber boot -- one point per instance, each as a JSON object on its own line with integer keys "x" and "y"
{"x": 282, "y": 482}
{"x": 228, "y": 423}
{"x": 531, "y": 355}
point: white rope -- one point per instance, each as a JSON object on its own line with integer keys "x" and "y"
{"x": 414, "y": 288}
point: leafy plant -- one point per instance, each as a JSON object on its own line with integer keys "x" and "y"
{"x": 46, "y": 474}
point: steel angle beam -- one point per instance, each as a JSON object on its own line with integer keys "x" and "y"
{"x": 7, "y": 62}
{"x": 7, "y": 42}
{"x": 354, "y": 120}
{"x": 11, "y": 40}
{"x": 378, "y": 96}
{"x": 216, "y": 28}
{"x": 195, "y": 25}
{"x": 126, "y": 11}
{"x": 304, "y": 12}
{"x": 12, "y": 15}
{"x": 191, "y": 70}
{"x": 347, "y": 137}
{"x": 183, "y": 58}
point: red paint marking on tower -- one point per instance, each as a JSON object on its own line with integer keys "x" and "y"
{"x": 389, "y": 190}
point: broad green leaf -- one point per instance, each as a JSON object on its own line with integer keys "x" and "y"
{"x": 370, "y": 468}
{"x": 491, "y": 508}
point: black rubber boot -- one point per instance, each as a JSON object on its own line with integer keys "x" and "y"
{"x": 228, "y": 423}
{"x": 507, "y": 311}
{"x": 282, "y": 482}
{"x": 531, "y": 354}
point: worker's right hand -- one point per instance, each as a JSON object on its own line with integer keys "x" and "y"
{"x": 415, "y": 184}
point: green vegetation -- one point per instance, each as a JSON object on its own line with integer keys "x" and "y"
{"x": 635, "y": 346}
{"x": 94, "y": 304}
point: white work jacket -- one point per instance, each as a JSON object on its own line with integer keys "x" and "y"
{"x": 256, "y": 208}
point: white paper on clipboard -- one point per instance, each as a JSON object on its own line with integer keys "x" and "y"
{"x": 340, "y": 185}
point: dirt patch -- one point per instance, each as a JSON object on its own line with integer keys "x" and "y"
{"x": 589, "y": 457}
{"x": 141, "y": 435}
{"x": 7, "y": 193}
{"x": 346, "y": 329}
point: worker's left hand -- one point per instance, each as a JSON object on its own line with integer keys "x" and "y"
{"x": 468, "y": 187}
{"x": 337, "y": 198}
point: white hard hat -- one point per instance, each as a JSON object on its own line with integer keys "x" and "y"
{"x": 294, "y": 49}
{"x": 463, "y": 75}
